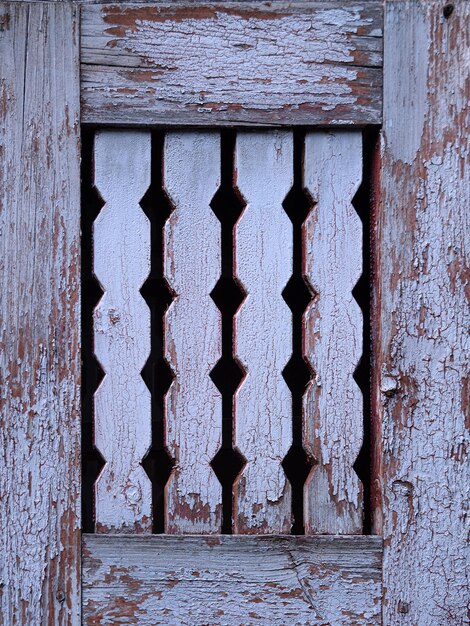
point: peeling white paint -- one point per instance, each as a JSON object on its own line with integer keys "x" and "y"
{"x": 193, "y": 341}
{"x": 39, "y": 315}
{"x": 423, "y": 229}
{"x": 333, "y": 411}
{"x": 121, "y": 263}
{"x": 233, "y": 580}
{"x": 263, "y": 335}
{"x": 245, "y": 62}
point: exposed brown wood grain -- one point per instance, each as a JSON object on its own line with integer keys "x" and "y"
{"x": 39, "y": 315}
{"x": 231, "y": 580}
{"x": 423, "y": 303}
{"x": 238, "y": 63}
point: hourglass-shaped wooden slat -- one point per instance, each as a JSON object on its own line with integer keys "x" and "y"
{"x": 263, "y": 261}
{"x": 192, "y": 266}
{"x": 121, "y": 263}
{"x": 333, "y": 404}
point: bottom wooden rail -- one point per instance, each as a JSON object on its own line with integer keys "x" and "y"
{"x": 231, "y": 580}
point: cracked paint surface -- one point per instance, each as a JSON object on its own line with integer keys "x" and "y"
{"x": 423, "y": 293}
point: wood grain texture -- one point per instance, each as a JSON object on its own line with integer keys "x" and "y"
{"x": 121, "y": 321}
{"x": 422, "y": 298}
{"x": 263, "y": 337}
{"x": 39, "y": 315}
{"x": 232, "y": 580}
{"x": 192, "y": 266}
{"x": 333, "y": 406}
{"x": 239, "y": 63}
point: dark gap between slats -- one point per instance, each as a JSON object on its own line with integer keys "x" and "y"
{"x": 92, "y": 373}
{"x": 362, "y": 202}
{"x": 297, "y": 374}
{"x": 157, "y": 373}
{"x": 228, "y": 295}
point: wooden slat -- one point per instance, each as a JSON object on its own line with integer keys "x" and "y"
{"x": 39, "y": 315}
{"x": 121, "y": 262}
{"x": 192, "y": 266}
{"x": 333, "y": 406}
{"x": 422, "y": 291}
{"x": 230, "y": 580}
{"x": 240, "y": 63}
{"x": 263, "y": 338}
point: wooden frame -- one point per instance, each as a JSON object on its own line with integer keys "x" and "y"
{"x": 420, "y": 386}
{"x": 270, "y": 579}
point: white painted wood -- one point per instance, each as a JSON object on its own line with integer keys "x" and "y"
{"x": 333, "y": 405}
{"x": 422, "y": 300}
{"x": 232, "y": 580}
{"x": 192, "y": 266}
{"x": 39, "y": 315}
{"x": 238, "y": 63}
{"x": 121, "y": 262}
{"x": 263, "y": 335}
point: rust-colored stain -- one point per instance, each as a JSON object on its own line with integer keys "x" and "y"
{"x": 144, "y": 526}
{"x": 123, "y": 20}
{"x": 212, "y": 541}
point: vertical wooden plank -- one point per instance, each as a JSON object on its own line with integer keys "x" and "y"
{"x": 192, "y": 266}
{"x": 39, "y": 315}
{"x": 333, "y": 409}
{"x": 263, "y": 343}
{"x": 121, "y": 262}
{"x": 422, "y": 298}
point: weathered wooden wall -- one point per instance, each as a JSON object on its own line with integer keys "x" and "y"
{"x": 39, "y": 315}
{"x": 422, "y": 299}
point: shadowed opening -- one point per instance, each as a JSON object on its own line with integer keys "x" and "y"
{"x": 228, "y": 295}
{"x": 157, "y": 294}
{"x": 297, "y": 295}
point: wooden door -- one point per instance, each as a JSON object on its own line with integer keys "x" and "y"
{"x": 226, "y": 163}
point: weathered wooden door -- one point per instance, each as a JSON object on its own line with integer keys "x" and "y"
{"x": 248, "y": 171}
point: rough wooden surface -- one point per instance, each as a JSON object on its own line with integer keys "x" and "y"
{"x": 231, "y": 581}
{"x": 192, "y": 266}
{"x": 423, "y": 301}
{"x": 263, "y": 337}
{"x": 121, "y": 320}
{"x": 39, "y": 315}
{"x": 333, "y": 412}
{"x": 240, "y": 63}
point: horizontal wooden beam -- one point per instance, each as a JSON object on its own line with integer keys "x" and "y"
{"x": 276, "y": 580}
{"x": 225, "y": 63}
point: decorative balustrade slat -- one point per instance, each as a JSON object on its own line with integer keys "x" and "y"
{"x": 122, "y": 408}
{"x": 333, "y": 408}
{"x": 192, "y": 266}
{"x": 263, "y": 344}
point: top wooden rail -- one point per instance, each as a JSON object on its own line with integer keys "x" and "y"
{"x": 232, "y": 63}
